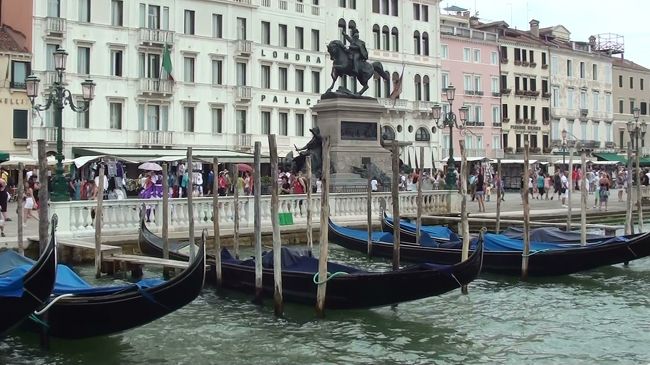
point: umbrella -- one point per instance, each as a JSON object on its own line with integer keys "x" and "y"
{"x": 242, "y": 167}
{"x": 150, "y": 166}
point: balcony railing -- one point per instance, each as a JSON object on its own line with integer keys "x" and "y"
{"x": 423, "y": 105}
{"x": 315, "y": 10}
{"x": 266, "y": 3}
{"x": 155, "y": 138}
{"x": 244, "y": 141}
{"x": 243, "y": 93}
{"x": 467, "y": 33}
{"x": 156, "y": 86}
{"x": 584, "y": 112}
{"x": 282, "y": 4}
{"x": 49, "y": 134}
{"x": 55, "y": 26}
{"x": 156, "y": 36}
{"x": 243, "y": 47}
{"x": 17, "y": 85}
{"x": 393, "y": 104}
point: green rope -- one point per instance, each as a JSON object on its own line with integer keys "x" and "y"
{"x": 329, "y": 277}
{"x": 34, "y": 318}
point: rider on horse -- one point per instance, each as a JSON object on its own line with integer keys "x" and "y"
{"x": 357, "y": 49}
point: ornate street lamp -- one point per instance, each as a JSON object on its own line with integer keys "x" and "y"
{"x": 449, "y": 120}
{"x": 564, "y": 133}
{"x": 58, "y": 97}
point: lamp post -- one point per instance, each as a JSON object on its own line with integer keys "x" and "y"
{"x": 636, "y": 130}
{"x": 58, "y": 97}
{"x": 564, "y": 133}
{"x": 449, "y": 120}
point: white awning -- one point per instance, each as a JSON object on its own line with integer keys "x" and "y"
{"x": 80, "y": 161}
{"x": 149, "y": 154}
{"x": 513, "y": 162}
{"x": 575, "y": 162}
{"x": 606, "y": 162}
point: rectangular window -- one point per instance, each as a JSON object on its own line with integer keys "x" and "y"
{"x": 384, "y": 7}
{"x": 608, "y": 103}
{"x": 117, "y": 9}
{"x": 188, "y": 119}
{"x": 582, "y": 70}
{"x": 631, "y": 106}
{"x": 49, "y": 54}
{"x": 494, "y": 58}
{"x": 217, "y": 26}
{"x": 83, "y": 60}
{"x": 315, "y": 40}
{"x": 641, "y": 83}
{"x": 375, "y": 6}
{"x": 241, "y": 29}
{"x": 556, "y": 97}
{"x": 620, "y": 106}
{"x": 644, "y": 108}
{"x": 570, "y": 99}
{"x": 416, "y": 11}
{"x": 282, "y": 78}
{"x": 300, "y": 38}
{"x": 596, "y": 105}
{"x": 165, "y": 18}
{"x": 444, "y": 51}
{"x": 517, "y": 54}
{"x": 467, "y": 82}
{"x": 620, "y": 80}
{"x": 282, "y": 35}
{"x": 284, "y": 124}
{"x": 300, "y": 80}
{"x": 583, "y": 100}
{"x": 631, "y": 82}
{"x": 315, "y": 82}
{"x": 54, "y": 8}
{"x": 266, "y": 33}
{"x": 496, "y": 114}
{"x": 84, "y": 11}
{"x": 115, "y": 115}
{"x": 217, "y": 120}
{"x": 265, "y": 82}
{"x": 240, "y": 116}
{"x": 153, "y": 16}
{"x": 477, "y": 83}
{"x": 143, "y": 15}
{"x": 477, "y": 55}
{"x": 188, "y": 65}
{"x": 83, "y": 119}
{"x": 19, "y": 72}
{"x": 495, "y": 84}
{"x": 594, "y": 71}
{"x": 300, "y": 124}
{"x": 20, "y": 130}
{"x": 543, "y": 58}
{"x": 425, "y": 13}
{"x": 266, "y": 122}
{"x": 241, "y": 74}
{"x": 496, "y": 142}
{"x": 189, "y": 22}
{"x": 467, "y": 55}
{"x": 569, "y": 68}
{"x": 217, "y": 72}
{"x": 116, "y": 63}
{"x": 554, "y": 65}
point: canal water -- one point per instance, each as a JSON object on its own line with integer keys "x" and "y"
{"x": 600, "y": 316}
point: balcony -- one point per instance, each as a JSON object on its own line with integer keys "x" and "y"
{"x": 469, "y": 92}
{"x": 496, "y": 124}
{"x": 244, "y": 93}
{"x": 584, "y": 112}
{"x": 526, "y": 121}
{"x": 243, "y": 2}
{"x": 544, "y": 66}
{"x": 49, "y": 134}
{"x": 49, "y": 78}
{"x": 524, "y": 63}
{"x": 506, "y": 91}
{"x": 546, "y": 95}
{"x": 517, "y": 63}
{"x": 17, "y": 85}
{"x": 532, "y": 65}
{"x": 519, "y": 121}
{"x": 55, "y": 27}
{"x": 506, "y": 120}
{"x": 244, "y": 142}
{"x": 533, "y": 121}
{"x": 504, "y": 61}
{"x": 467, "y": 33}
{"x": 243, "y": 47}
{"x": 393, "y": 104}
{"x": 424, "y": 106}
{"x": 156, "y": 87}
{"x": 156, "y": 37}
{"x": 496, "y": 93}
{"x": 155, "y": 138}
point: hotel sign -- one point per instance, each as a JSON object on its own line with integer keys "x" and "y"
{"x": 11, "y": 101}
{"x": 290, "y": 56}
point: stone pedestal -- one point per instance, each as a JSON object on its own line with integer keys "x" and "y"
{"x": 353, "y": 126}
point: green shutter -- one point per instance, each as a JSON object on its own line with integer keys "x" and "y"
{"x": 20, "y": 124}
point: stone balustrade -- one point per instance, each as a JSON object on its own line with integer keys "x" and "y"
{"x": 121, "y": 217}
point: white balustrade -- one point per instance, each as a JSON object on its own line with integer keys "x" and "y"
{"x": 122, "y": 217}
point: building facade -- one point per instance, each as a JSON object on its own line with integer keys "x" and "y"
{"x": 630, "y": 90}
{"x": 581, "y": 91}
{"x": 240, "y": 69}
{"x": 470, "y": 62}
{"x": 15, "y": 107}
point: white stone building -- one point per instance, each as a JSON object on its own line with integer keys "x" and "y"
{"x": 241, "y": 68}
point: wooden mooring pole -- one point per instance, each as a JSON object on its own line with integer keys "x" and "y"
{"x": 257, "y": 220}
{"x": 19, "y": 209}
{"x": 324, "y": 234}
{"x": 190, "y": 205}
{"x": 526, "y": 249}
{"x": 629, "y": 225}
{"x": 369, "y": 208}
{"x": 639, "y": 209}
{"x": 499, "y": 196}
{"x": 308, "y": 186}
{"x": 278, "y": 304}
{"x": 235, "y": 200}
{"x": 43, "y": 198}
{"x": 99, "y": 217}
{"x": 583, "y": 199}
{"x": 165, "y": 217}
{"x": 570, "y": 190}
{"x": 418, "y": 219}
{"x": 395, "y": 198}
{"x": 464, "y": 223}
{"x": 215, "y": 222}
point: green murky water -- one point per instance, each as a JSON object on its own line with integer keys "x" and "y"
{"x": 600, "y": 316}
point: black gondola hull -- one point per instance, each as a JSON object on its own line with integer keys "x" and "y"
{"x": 548, "y": 263}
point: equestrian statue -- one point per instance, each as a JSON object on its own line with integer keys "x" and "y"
{"x": 353, "y": 61}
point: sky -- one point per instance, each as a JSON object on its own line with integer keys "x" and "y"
{"x": 583, "y": 18}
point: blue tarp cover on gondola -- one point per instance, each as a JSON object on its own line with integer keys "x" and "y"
{"x": 425, "y": 240}
{"x": 67, "y": 281}
{"x": 292, "y": 260}
{"x": 439, "y": 232}
{"x": 549, "y": 234}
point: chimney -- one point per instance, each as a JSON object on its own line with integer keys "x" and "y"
{"x": 473, "y": 21}
{"x": 534, "y": 28}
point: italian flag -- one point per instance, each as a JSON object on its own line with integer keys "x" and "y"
{"x": 167, "y": 62}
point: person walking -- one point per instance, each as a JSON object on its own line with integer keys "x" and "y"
{"x": 621, "y": 184}
{"x": 557, "y": 184}
{"x": 540, "y": 185}
{"x": 564, "y": 189}
{"x": 479, "y": 191}
{"x": 604, "y": 191}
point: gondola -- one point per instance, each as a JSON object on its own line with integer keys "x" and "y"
{"x": 503, "y": 255}
{"x": 347, "y": 287}
{"x": 79, "y": 310}
{"x": 442, "y": 233}
{"x": 24, "y": 284}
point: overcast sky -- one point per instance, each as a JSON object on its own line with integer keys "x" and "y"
{"x": 583, "y": 18}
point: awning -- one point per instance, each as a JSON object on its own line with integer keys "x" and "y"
{"x": 513, "y": 162}
{"x": 148, "y": 154}
{"x": 469, "y": 159}
{"x": 568, "y": 161}
{"x": 4, "y": 156}
{"x": 80, "y": 161}
{"x": 609, "y": 156}
{"x": 605, "y": 162}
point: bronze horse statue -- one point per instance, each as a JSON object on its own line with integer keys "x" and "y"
{"x": 343, "y": 65}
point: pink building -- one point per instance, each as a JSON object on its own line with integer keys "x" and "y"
{"x": 470, "y": 62}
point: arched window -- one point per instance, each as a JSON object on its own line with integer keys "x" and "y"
{"x": 376, "y": 82}
{"x": 422, "y": 135}
{"x": 376, "y": 37}
{"x": 395, "y": 39}
{"x": 352, "y": 25}
{"x": 395, "y": 79}
{"x": 385, "y": 35}
{"x": 418, "y": 87}
{"x": 426, "y": 90}
{"x": 342, "y": 29}
{"x": 425, "y": 43}
{"x": 416, "y": 42}
{"x": 387, "y": 133}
